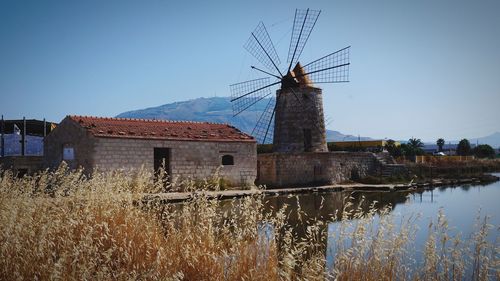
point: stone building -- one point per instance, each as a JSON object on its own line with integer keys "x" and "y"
{"x": 188, "y": 149}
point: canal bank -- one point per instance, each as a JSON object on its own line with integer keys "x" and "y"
{"x": 169, "y": 197}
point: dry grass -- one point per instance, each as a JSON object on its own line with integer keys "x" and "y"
{"x": 63, "y": 225}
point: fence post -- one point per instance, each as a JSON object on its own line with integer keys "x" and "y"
{"x": 23, "y": 139}
{"x": 3, "y": 139}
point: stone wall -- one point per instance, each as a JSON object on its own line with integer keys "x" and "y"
{"x": 296, "y": 169}
{"x": 22, "y": 165}
{"x": 188, "y": 159}
{"x": 71, "y": 134}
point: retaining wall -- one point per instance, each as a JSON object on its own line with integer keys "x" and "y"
{"x": 22, "y": 165}
{"x": 298, "y": 169}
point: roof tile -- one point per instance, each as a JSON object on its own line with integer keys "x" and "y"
{"x": 160, "y": 129}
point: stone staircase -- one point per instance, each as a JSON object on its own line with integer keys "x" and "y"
{"x": 388, "y": 166}
{"x": 384, "y": 158}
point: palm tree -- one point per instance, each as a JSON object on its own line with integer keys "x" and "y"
{"x": 414, "y": 147}
{"x": 415, "y": 143}
{"x": 440, "y": 144}
{"x": 393, "y": 149}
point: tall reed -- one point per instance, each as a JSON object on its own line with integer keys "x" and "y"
{"x": 65, "y": 225}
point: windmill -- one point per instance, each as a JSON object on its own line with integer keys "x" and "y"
{"x": 297, "y": 108}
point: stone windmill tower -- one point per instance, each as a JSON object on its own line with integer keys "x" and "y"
{"x": 297, "y": 108}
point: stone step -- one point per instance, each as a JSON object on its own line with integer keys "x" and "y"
{"x": 391, "y": 169}
{"x": 384, "y": 158}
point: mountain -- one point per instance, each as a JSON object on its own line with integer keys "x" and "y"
{"x": 218, "y": 110}
{"x": 215, "y": 109}
{"x": 493, "y": 140}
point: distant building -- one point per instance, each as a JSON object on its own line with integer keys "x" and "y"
{"x": 448, "y": 149}
{"x": 189, "y": 149}
{"x": 21, "y": 144}
{"x": 370, "y": 145}
{"x": 12, "y": 132}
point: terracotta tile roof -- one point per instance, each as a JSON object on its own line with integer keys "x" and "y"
{"x": 160, "y": 129}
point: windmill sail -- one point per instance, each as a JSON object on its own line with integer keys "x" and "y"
{"x": 303, "y": 24}
{"x": 264, "y": 129}
{"x": 261, "y": 47}
{"x": 246, "y": 94}
{"x": 332, "y": 68}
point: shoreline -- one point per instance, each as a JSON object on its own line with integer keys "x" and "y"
{"x": 174, "y": 197}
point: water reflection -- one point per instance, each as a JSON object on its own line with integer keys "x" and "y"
{"x": 306, "y": 209}
{"x": 460, "y": 204}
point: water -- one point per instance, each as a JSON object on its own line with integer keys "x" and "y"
{"x": 460, "y": 204}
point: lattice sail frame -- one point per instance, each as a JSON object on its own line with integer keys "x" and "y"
{"x": 261, "y": 47}
{"x": 303, "y": 25}
{"x": 264, "y": 129}
{"x": 248, "y": 93}
{"x": 332, "y": 68}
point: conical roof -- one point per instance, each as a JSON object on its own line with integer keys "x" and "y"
{"x": 303, "y": 80}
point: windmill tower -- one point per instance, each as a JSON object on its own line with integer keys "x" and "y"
{"x": 294, "y": 118}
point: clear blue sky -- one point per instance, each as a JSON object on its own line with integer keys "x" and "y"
{"x": 426, "y": 69}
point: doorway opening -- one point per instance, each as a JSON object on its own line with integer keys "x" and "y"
{"x": 161, "y": 160}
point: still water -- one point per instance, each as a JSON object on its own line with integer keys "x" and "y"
{"x": 461, "y": 205}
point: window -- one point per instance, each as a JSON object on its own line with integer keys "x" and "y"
{"x": 227, "y": 160}
{"x": 307, "y": 140}
{"x": 68, "y": 153}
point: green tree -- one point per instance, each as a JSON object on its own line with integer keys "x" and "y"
{"x": 440, "y": 144}
{"x": 415, "y": 143}
{"x": 463, "y": 148}
{"x": 393, "y": 149}
{"x": 484, "y": 151}
{"x": 413, "y": 147}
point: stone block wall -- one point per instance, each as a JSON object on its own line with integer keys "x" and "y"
{"x": 22, "y": 165}
{"x": 296, "y": 169}
{"x": 188, "y": 159}
{"x": 71, "y": 134}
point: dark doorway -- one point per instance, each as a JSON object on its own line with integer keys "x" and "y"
{"x": 307, "y": 140}
{"x": 22, "y": 172}
{"x": 161, "y": 157}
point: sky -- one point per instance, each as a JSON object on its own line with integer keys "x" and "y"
{"x": 424, "y": 69}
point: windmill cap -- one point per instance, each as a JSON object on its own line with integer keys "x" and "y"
{"x": 301, "y": 76}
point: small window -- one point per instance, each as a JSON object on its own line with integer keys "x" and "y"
{"x": 68, "y": 153}
{"x": 227, "y": 160}
{"x": 307, "y": 140}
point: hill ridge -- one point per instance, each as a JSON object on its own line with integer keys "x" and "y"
{"x": 215, "y": 109}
